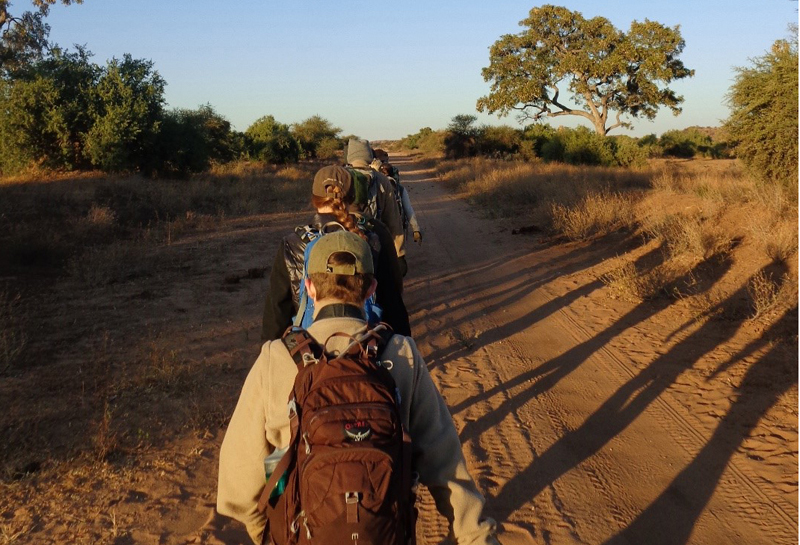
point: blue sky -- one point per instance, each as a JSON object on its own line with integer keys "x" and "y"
{"x": 382, "y": 70}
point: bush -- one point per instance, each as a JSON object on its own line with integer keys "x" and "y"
{"x": 687, "y": 143}
{"x": 628, "y": 152}
{"x": 462, "y": 137}
{"x": 47, "y": 113}
{"x": 426, "y": 140}
{"x": 500, "y": 141}
{"x": 311, "y": 133}
{"x": 129, "y": 102}
{"x": 534, "y": 138}
{"x": 190, "y": 140}
{"x": 272, "y": 142}
{"x": 763, "y": 122}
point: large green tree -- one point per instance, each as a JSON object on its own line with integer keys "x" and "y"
{"x": 605, "y": 70}
{"x": 272, "y": 141}
{"x": 312, "y": 132}
{"x": 45, "y": 112}
{"x": 763, "y": 121}
{"x": 128, "y": 109}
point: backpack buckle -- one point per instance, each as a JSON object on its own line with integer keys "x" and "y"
{"x": 351, "y": 500}
{"x": 309, "y": 359}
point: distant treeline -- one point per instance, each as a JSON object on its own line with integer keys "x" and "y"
{"x": 65, "y": 112}
{"x": 578, "y": 146}
{"x": 61, "y": 111}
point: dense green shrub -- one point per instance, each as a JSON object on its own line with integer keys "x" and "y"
{"x": 687, "y": 143}
{"x": 127, "y": 116}
{"x": 311, "y": 133}
{"x": 764, "y": 117}
{"x": 628, "y": 152}
{"x": 426, "y": 140}
{"x": 191, "y": 140}
{"x": 462, "y": 138}
{"x": 534, "y": 137}
{"x": 328, "y": 147}
{"x": 47, "y": 112}
{"x": 502, "y": 141}
{"x": 272, "y": 141}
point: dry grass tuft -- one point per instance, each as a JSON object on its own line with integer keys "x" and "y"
{"x": 767, "y": 294}
{"x": 688, "y": 235}
{"x": 626, "y": 282}
{"x": 777, "y": 239}
{"x": 597, "y": 214}
{"x": 13, "y": 338}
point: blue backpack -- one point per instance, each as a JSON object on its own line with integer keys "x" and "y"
{"x": 305, "y": 311}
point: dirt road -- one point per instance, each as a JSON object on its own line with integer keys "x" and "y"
{"x": 583, "y": 419}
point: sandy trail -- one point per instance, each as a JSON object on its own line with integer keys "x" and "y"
{"x": 571, "y": 413}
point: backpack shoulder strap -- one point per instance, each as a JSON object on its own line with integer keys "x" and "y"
{"x": 375, "y": 340}
{"x": 302, "y": 347}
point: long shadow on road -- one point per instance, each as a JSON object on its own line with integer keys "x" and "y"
{"x": 670, "y": 519}
{"x": 612, "y": 417}
{"x": 513, "y": 294}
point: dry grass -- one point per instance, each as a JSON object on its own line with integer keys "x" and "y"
{"x": 768, "y": 294}
{"x": 93, "y": 220}
{"x": 13, "y": 338}
{"x": 698, "y": 212}
{"x": 627, "y": 283}
{"x": 513, "y": 189}
{"x": 596, "y": 214}
{"x": 688, "y": 235}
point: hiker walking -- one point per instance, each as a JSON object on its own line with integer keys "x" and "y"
{"x": 364, "y": 417}
{"x": 381, "y": 201}
{"x": 333, "y": 198}
{"x": 407, "y": 214}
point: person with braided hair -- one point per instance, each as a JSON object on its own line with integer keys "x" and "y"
{"x": 333, "y": 197}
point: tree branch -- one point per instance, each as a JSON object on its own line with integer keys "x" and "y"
{"x": 619, "y": 123}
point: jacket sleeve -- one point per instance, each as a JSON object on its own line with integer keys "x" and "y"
{"x": 390, "y": 213}
{"x": 412, "y": 216}
{"x": 241, "y": 476}
{"x": 279, "y": 305}
{"x": 440, "y": 462}
{"x": 389, "y": 293}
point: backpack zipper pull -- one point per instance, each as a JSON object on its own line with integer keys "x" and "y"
{"x": 305, "y": 440}
{"x": 294, "y": 526}
{"x": 308, "y": 530}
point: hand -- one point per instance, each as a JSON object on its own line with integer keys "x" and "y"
{"x": 418, "y": 237}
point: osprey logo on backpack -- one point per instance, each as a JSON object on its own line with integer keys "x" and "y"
{"x": 357, "y": 431}
{"x": 339, "y": 485}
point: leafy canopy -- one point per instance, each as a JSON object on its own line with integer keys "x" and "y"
{"x": 763, "y": 121}
{"x": 604, "y": 70}
{"x": 23, "y": 39}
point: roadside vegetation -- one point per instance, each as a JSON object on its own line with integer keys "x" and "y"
{"x": 668, "y": 192}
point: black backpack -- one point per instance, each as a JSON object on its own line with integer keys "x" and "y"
{"x": 346, "y": 476}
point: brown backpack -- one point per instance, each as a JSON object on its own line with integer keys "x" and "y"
{"x": 347, "y": 471}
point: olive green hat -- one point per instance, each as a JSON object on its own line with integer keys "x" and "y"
{"x": 340, "y": 241}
